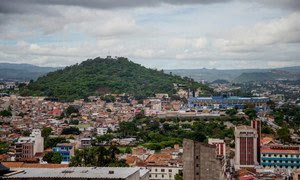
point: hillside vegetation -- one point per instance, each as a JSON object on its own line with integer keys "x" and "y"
{"x": 100, "y": 76}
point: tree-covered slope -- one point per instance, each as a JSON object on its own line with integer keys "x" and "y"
{"x": 100, "y": 76}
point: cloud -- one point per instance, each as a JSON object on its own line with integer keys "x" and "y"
{"x": 250, "y": 39}
{"x": 16, "y": 6}
{"x": 282, "y": 4}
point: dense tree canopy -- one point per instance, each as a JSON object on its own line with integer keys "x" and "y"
{"x": 101, "y": 76}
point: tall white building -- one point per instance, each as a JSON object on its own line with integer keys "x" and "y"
{"x": 27, "y": 147}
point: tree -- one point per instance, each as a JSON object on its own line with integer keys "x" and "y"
{"x": 128, "y": 150}
{"x": 26, "y": 133}
{"x": 71, "y": 130}
{"x": 266, "y": 129}
{"x": 4, "y": 146}
{"x": 52, "y": 142}
{"x": 5, "y": 113}
{"x": 283, "y": 135}
{"x": 46, "y": 132}
{"x": 251, "y": 113}
{"x": 70, "y": 110}
{"x": 53, "y": 157}
{"x": 231, "y": 112}
{"x": 74, "y": 122}
{"x": 97, "y": 156}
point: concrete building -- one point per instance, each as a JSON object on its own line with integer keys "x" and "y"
{"x": 280, "y": 156}
{"x": 27, "y": 147}
{"x": 163, "y": 172}
{"x": 220, "y": 146}
{"x": 101, "y": 131}
{"x": 76, "y": 173}
{"x": 245, "y": 147}
{"x": 200, "y": 161}
{"x": 86, "y": 142}
{"x": 66, "y": 150}
{"x": 256, "y": 124}
{"x": 227, "y": 102}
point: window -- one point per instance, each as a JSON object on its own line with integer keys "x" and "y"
{"x": 197, "y": 165}
{"x": 162, "y": 170}
{"x": 197, "y": 157}
{"x": 162, "y": 176}
{"x": 197, "y": 173}
{"x": 170, "y": 170}
{"x": 155, "y": 170}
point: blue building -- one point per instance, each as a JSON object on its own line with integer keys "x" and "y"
{"x": 66, "y": 150}
{"x": 279, "y": 156}
{"x": 227, "y": 102}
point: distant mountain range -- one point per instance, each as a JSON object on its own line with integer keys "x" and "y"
{"x": 22, "y": 72}
{"x": 26, "y": 72}
{"x": 239, "y": 75}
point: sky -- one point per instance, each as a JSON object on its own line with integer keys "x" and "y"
{"x": 161, "y": 34}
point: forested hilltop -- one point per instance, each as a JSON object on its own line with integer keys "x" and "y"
{"x": 100, "y": 76}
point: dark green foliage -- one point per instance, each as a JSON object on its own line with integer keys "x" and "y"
{"x": 71, "y": 130}
{"x": 74, "y": 122}
{"x": 283, "y": 135}
{"x": 251, "y": 113}
{"x": 26, "y": 133}
{"x": 103, "y": 138}
{"x": 157, "y": 134}
{"x": 53, "y": 157}
{"x": 231, "y": 112}
{"x": 46, "y": 132}
{"x": 101, "y": 76}
{"x": 5, "y": 113}
{"x": 266, "y": 129}
{"x": 4, "y": 146}
{"x": 98, "y": 157}
{"x": 71, "y": 110}
{"x": 127, "y": 129}
{"x": 52, "y": 142}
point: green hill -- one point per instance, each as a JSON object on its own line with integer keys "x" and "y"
{"x": 266, "y": 76}
{"x": 100, "y": 76}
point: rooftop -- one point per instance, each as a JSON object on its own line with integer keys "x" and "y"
{"x": 75, "y": 172}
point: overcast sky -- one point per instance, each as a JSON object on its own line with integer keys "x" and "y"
{"x": 163, "y": 34}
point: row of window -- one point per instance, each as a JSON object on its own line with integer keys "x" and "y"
{"x": 157, "y": 176}
{"x": 281, "y": 155}
{"x": 280, "y": 161}
{"x": 161, "y": 170}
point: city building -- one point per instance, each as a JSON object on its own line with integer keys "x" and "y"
{"x": 86, "y": 142}
{"x": 245, "y": 147}
{"x": 227, "y": 102}
{"x": 280, "y": 156}
{"x": 75, "y": 173}
{"x": 27, "y": 147}
{"x": 66, "y": 150}
{"x": 220, "y": 146}
{"x": 200, "y": 161}
{"x": 256, "y": 124}
{"x": 102, "y": 130}
{"x": 163, "y": 172}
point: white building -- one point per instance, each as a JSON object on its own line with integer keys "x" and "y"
{"x": 220, "y": 146}
{"x": 101, "y": 131}
{"x": 163, "y": 172}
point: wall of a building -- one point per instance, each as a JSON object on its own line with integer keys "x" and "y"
{"x": 163, "y": 173}
{"x": 200, "y": 162}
